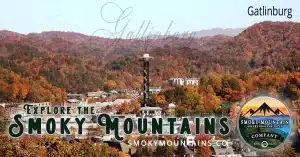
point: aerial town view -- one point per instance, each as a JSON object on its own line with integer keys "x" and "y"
{"x": 150, "y": 79}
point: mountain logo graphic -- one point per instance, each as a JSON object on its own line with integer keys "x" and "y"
{"x": 264, "y": 108}
{"x": 264, "y": 123}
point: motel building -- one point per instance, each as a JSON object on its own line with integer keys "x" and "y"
{"x": 184, "y": 81}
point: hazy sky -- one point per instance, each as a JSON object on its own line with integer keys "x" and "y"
{"x": 87, "y": 16}
{"x": 255, "y": 103}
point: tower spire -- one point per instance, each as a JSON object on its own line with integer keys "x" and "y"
{"x": 145, "y": 59}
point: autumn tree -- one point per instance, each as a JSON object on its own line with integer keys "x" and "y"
{"x": 208, "y": 99}
{"x": 284, "y": 151}
{"x": 110, "y": 84}
{"x": 134, "y": 106}
{"x": 124, "y": 108}
{"x": 203, "y": 151}
{"x": 159, "y": 99}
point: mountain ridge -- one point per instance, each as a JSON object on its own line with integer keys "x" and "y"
{"x": 198, "y": 34}
{"x": 66, "y": 61}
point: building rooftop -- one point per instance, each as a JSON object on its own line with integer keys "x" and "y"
{"x": 96, "y": 93}
{"x": 113, "y": 92}
{"x": 172, "y": 105}
{"x": 119, "y": 101}
{"x": 73, "y": 100}
{"x": 150, "y": 109}
{"x": 155, "y": 87}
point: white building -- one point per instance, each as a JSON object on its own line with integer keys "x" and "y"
{"x": 99, "y": 94}
{"x": 3, "y": 105}
{"x": 113, "y": 92}
{"x": 191, "y": 81}
{"x": 73, "y": 101}
{"x": 75, "y": 96}
{"x": 37, "y": 104}
{"x": 184, "y": 81}
{"x": 176, "y": 81}
{"x": 151, "y": 111}
{"x": 172, "y": 105}
{"x": 120, "y": 101}
{"x": 154, "y": 90}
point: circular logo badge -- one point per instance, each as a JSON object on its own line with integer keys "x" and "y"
{"x": 264, "y": 123}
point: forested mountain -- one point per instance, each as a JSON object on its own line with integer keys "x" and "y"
{"x": 217, "y": 31}
{"x": 73, "y": 62}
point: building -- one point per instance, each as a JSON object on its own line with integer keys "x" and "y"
{"x": 171, "y": 109}
{"x": 99, "y": 94}
{"x": 75, "y": 96}
{"x": 191, "y": 81}
{"x": 37, "y": 104}
{"x": 3, "y": 105}
{"x": 154, "y": 90}
{"x": 172, "y": 105}
{"x": 184, "y": 81}
{"x": 111, "y": 105}
{"x": 73, "y": 101}
{"x": 150, "y": 111}
{"x": 98, "y": 105}
{"x": 176, "y": 81}
{"x": 121, "y": 101}
{"x": 113, "y": 92}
